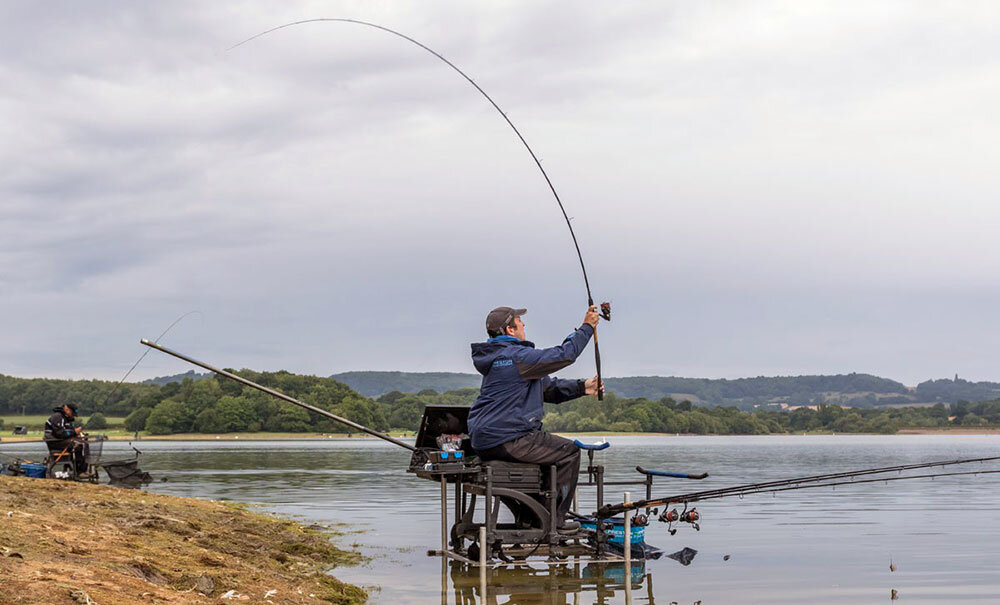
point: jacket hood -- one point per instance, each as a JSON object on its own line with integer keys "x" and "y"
{"x": 484, "y": 353}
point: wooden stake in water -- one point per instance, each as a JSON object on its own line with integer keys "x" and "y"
{"x": 482, "y": 563}
{"x": 628, "y": 535}
{"x": 628, "y": 552}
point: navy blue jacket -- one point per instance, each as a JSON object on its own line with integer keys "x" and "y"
{"x": 515, "y": 383}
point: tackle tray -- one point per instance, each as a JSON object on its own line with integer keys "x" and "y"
{"x": 513, "y": 475}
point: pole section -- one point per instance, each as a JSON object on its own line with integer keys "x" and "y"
{"x": 278, "y": 394}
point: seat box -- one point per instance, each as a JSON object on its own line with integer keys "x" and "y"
{"x": 515, "y": 475}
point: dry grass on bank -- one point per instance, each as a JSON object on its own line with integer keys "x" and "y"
{"x": 80, "y": 544}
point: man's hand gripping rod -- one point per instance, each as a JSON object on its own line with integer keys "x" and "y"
{"x": 279, "y": 395}
{"x": 606, "y": 314}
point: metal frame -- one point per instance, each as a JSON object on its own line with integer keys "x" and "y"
{"x": 506, "y": 543}
{"x": 65, "y": 457}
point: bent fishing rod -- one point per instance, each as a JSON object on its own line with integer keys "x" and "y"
{"x": 278, "y": 394}
{"x": 810, "y": 482}
{"x": 605, "y": 307}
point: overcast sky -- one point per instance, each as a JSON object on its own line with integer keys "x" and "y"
{"x": 760, "y": 188}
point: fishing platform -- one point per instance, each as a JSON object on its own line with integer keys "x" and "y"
{"x": 478, "y": 534}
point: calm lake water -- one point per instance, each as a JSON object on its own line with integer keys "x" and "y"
{"x": 813, "y": 546}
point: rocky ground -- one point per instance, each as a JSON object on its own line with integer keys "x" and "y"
{"x": 79, "y": 544}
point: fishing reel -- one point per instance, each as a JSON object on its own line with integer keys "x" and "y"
{"x": 671, "y": 516}
{"x": 640, "y": 520}
{"x": 606, "y": 311}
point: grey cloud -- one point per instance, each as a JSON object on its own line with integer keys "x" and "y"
{"x": 771, "y": 187}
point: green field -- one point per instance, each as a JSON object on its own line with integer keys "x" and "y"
{"x": 37, "y": 421}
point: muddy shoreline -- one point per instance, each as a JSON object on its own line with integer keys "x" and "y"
{"x": 72, "y": 543}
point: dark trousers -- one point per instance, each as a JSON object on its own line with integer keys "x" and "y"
{"x": 544, "y": 449}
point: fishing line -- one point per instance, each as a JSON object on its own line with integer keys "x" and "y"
{"x": 590, "y": 299}
{"x": 143, "y": 356}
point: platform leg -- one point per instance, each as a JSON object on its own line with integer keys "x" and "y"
{"x": 444, "y": 580}
{"x": 457, "y": 546}
{"x": 488, "y": 512}
{"x": 553, "y": 515}
{"x": 599, "y": 471}
{"x": 444, "y": 516}
{"x": 649, "y": 490}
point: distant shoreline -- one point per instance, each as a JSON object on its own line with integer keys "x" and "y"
{"x": 959, "y": 430}
{"x": 343, "y": 437}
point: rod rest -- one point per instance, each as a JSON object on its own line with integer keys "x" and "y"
{"x": 595, "y": 447}
{"x": 670, "y": 474}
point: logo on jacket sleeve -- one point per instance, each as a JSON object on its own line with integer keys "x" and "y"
{"x": 502, "y": 363}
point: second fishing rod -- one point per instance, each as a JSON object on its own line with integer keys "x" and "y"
{"x": 807, "y": 482}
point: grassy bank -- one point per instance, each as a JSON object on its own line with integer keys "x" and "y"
{"x": 37, "y": 421}
{"x": 119, "y": 435}
{"x": 68, "y": 543}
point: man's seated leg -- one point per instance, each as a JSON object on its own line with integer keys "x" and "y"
{"x": 545, "y": 449}
{"x": 80, "y": 451}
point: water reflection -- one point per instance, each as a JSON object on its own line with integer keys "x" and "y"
{"x": 598, "y": 583}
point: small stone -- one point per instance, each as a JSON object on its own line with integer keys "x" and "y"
{"x": 205, "y": 585}
{"x": 82, "y": 597}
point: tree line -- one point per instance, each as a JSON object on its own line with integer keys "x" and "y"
{"x": 214, "y": 405}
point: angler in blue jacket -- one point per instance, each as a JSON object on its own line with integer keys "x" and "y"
{"x": 505, "y": 422}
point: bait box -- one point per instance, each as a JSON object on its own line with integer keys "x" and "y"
{"x": 35, "y": 471}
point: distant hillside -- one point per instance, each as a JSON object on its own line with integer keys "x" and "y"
{"x": 861, "y": 390}
{"x": 162, "y": 380}
{"x": 374, "y": 384}
{"x": 947, "y": 390}
{"x": 855, "y": 390}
